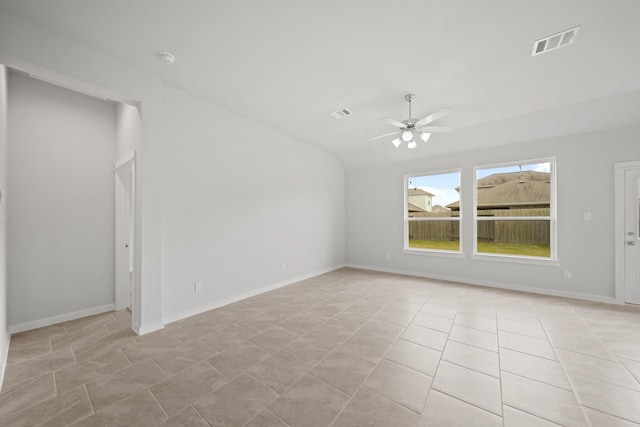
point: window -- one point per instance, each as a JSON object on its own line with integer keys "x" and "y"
{"x": 432, "y": 212}
{"x": 514, "y": 208}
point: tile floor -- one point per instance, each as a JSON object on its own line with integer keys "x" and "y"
{"x": 348, "y": 348}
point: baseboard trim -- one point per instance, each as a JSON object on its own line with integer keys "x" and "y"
{"x": 4, "y": 355}
{"x": 174, "y": 317}
{"x": 34, "y": 324}
{"x": 492, "y": 284}
{"x": 147, "y": 329}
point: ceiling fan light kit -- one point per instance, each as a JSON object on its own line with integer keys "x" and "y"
{"x": 410, "y": 127}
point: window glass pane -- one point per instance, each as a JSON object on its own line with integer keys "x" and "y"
{"x": 521, "y": 237}
{"x": 517, "y": 190}
{"x": 436, "y": 235}
{"x": 433, "y": 194}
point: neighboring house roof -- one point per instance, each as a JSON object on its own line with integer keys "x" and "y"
{"x": 512, "y": 190}
{"x": 438, "y": 208}
{"x": 414, "y": 208}
{"x": 418, "y": 191}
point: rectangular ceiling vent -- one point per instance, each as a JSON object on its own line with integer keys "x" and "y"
{"x": 341, "y": 113}
{"x": 555, "y": 41}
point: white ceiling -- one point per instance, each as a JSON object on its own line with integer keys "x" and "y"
{"x": 288, "y": 63}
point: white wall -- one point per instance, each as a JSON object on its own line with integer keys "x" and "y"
{"x": 585, "y": 184}
{"x": 240, "y": 200}
{"x": 4, "y": 336}
{"x": 61, "y": 217}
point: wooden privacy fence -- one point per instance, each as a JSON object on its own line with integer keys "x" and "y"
{"x": 536, "y": 232}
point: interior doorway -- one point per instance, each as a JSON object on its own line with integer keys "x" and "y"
{"x": 627, "y": 182}
{"x": 125, "y": 179}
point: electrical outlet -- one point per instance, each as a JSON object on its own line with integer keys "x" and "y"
{"x": 297, "y": 264}
{"x": 284, "y": 267}
{"x": 197, "y": 287}
{"x": 587, "y": 216}
{"x": 388, "y": 257}
{"x": 567, "y": 274}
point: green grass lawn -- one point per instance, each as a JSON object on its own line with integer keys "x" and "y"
{"x": 486, "y": 247}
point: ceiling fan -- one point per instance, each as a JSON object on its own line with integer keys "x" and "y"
{"x": 411, "y": 127}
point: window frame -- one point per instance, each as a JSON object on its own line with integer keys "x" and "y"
{"x": 552, "y": 218}
{"x": 437, "y": 252}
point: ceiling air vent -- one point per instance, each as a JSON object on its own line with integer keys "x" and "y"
{"x": 555, "y": 41}
{"x": 341, "y": 113}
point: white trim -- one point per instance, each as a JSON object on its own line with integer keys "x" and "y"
{"x": 27, "y": 326}
{"x": 516, "y": 259}
{"x": 619, "y": 170}
{"x": 123, "y": 161}
{"x": 434, "y": 252}
{"x": 147, "y": 328}
{"x": 492, "y": 284}
{"x": 174, "y": 317}
{"x": 5, "y": 340}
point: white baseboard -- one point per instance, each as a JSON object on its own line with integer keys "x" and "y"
{"x": 492, "y": 284}
{"x": 27, "y": 326}
{"x": 5, "y": 339}
{"x": 147, "y": 329}
{"x": 174, "y": 317}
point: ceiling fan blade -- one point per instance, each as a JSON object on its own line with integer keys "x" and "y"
{"x": 382, "y": 136}
{"x": 395, "y": 123}
{"x": 436, "y": 129}
{"x": 433, "y": 117}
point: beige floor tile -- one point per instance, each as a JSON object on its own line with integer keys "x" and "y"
{"x": 397, "y": 317}
{"x": 19, "y": 372}
{"x": 111, "y": 342}
{"x": 184, "y": 388}
{"x": 633, "y": 366}
{"x": 314, "y": 345}
{"x": 309, "y": 403}
{"x": 370, "y": 409}
{"x": 150, "y": 347}
{"x": 542, "y": 400}
{"x": 442, "y": 410}
{"x": 469, "y": 386}
{"x": 281, "y": 370}
{"x": 425, "y": 336}
{"x": 485, "y": 311}
{"x": 140, "y": 410}
{"x": 403, "y": 385}
{"x": 476, "y": 322}
{"x": 265, "y": 418}
{"x": 382, "y": 330}
{"x": 515, "y": 418}
{"x": 238, "y": 359}
{"x": 580, "y": 342}
{"x": 414, "y": 356}
{"x": 236, "y": 402}
{"x": 439, "y": 323}
{"x": 28, "y": 351}
{"x": 519, "y": 314}
{"x": 186, "y": 417}
{"x": 597, "y": 418}
{"x": 183, "y": 357}
{"x": 301, "y": 323}
{"x": 534, "y": 367}
{"x": 27, "y": 393}
{"x": 63, "y": 409}
{"x": 274, "y": 338}
{"x": 604, "y": 397}
{"x": 34, "y": 336}
{"x": 471, "y": 357}
{"x": 523, "y": 328}
{"x": 525, "y": 344}
{"x": 406, "y": 306}
{"x": 439, "y": 310}
{"x": 112, "y": 388}
{"x": 90, "y": 370}
{"x": 597, "y": 368}
{"x": 334, "y": 329}
{"x": 343, "y": 371}
{"x": 474, "y": 337}
{"x": 80, "y": 337}
{"x": 364, "y": 347}
{"x": 228, "y": 337}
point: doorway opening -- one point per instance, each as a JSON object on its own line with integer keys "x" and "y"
{"x": 125, "y": 179}
{"x": 627, "y": 229}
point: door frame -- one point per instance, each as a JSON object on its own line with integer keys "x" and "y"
{"x": 619, "y": 226}
{"x": 125, "y": 222}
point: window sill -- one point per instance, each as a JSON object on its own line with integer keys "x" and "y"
{"x": 433, "y": 252}
{"x": 516, "y": 259}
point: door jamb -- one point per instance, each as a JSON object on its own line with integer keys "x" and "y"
{"x": 619, "y": 226}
